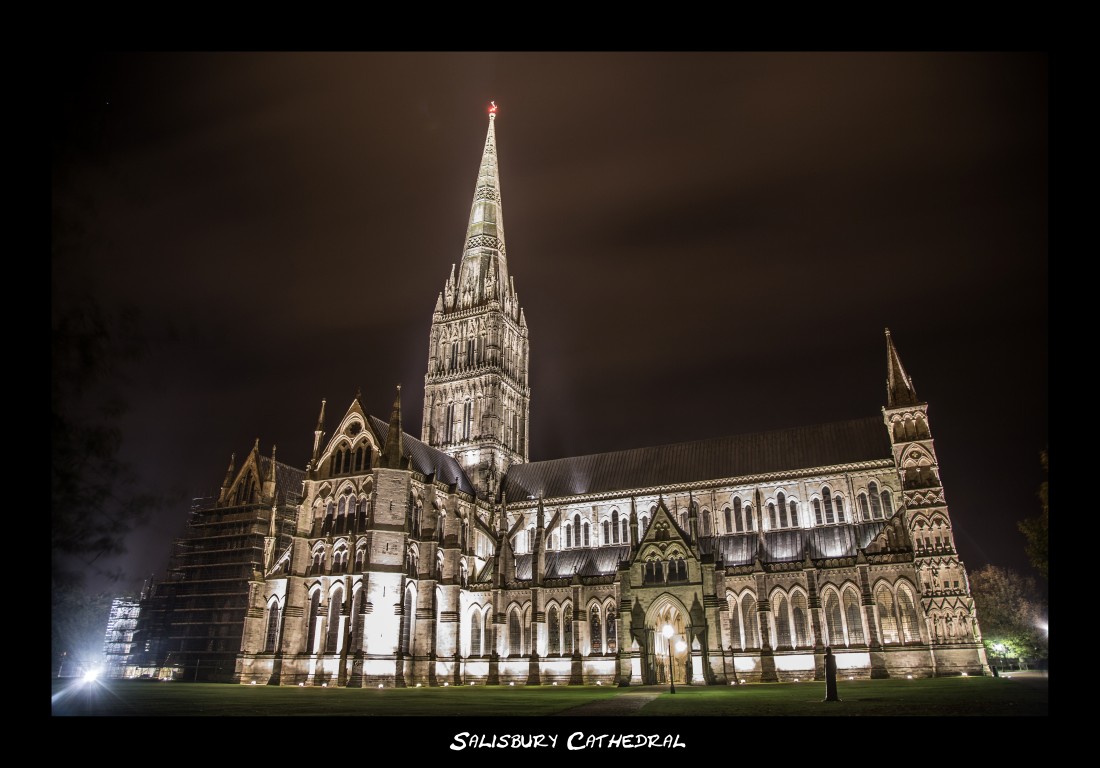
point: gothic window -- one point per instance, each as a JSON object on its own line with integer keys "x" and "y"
{"x": 272, "y": 640}
{"x": 449, "y": 424}
{"x": 771, "y": 516}
{"x": 782, "y": 623}
{"x": 568, "y": 535}
{"x": 318, "y": 562}
{"x": 612, "y": 631}
{"x": 567, "y": 631}
{"x": 706, "y": 522}
{"x": 864, "y": 510}
{"x": 876, "y": 501}
{"x": 607, "y": 532}
{"x": 781, "y": 502}
{"x": 838, "y": 501}
{"x": 677, "y": 569}
{"x": 735, "y": 625}
{"x": 467, "y": 419}
{"x": 625, "y": 531}
{"x": 354, "y": 633}
{"x": 800, "y": 618}
{"x": 908, "y": 614}
{"x": 817, "y": 512}
{"x": 750, "y": 524}
{"x": 475, "y": 632}
{"x": 586, "y": 533}
{"x": 514, "y": 633}
{"x": 553, "y": 630}
{"x": 651, "y": 573}
{"x": 853, "y": 617}
{"x": 407, "y": 620}
{"x": 596, "y": 630}
{"x": 834, "y": 620}
{"x": 887, "y": 504}
{"x": 749, "y": 618}
{"x": 332, "y": 638}
{"x": 827, "y": 503}
{"x": 527, "y": 630}
{"x": 454, "y": 356}
{"x": 314, "y": 614}
{"x": 615, "y": 525}
{"x": 729, "y": 519}
{"x": 888, "y": 623}
{"x": 487, "y": 638}
{"x": 794, "y": 512}
{"x": 470, "y": 361}
{"x": 643, "y": 524}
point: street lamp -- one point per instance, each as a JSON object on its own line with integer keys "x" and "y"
{"x": 667, "y": 632}
{"x": 999, "y": 649}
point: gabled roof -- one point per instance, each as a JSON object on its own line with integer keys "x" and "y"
{"x": 822, "y": 445}
{"x": 288, "y": 480}
{"x": 425, "y": 459}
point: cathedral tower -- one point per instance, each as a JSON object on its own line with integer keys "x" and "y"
{"x": 476, "y": 392}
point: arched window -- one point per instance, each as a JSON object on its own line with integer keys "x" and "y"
{"x": 908, "y": 615}
{"x": 781, "y": 502}
{"x": 706, "y": 522}
{"x": 876, "y": 501}
{"x": 526, "y": 618}
{"x": 612, "y": 631}
{"x": 475, "y": 632}
{"x": 735, "y": 625}
{"x": 827, "y": 502}
{"x": 487, "y": 638}
{"x": 729, "y": 519}
{"x": 749, "y": 619}
{"x": 834, "y": 620}
{"x": 568, "y": 535}
{"x": 577, "y": 529}
{"x": 839, "y": 502}
{"x": 407, "y": 621}
{"x": 615, "y": 525}
{"x": 515, "y": 636}
{"x": 644, "y": 524}
{"x": 887, "y": 503}
{"x": 586, "y": 533}
{"x": 596, "y": 630}
{"x": 354, "y": 623}
{"x": 794, "y": 512}
{"x": 782, "y": 623}
{"x": 800, "y": 620}
{"x": 625, "y": 530}
{"x": 864, "y": 510}
{"x": 853, "y": 617}
{"x": 737, "y": 513}
{"x": 818, "y": 517}
{"x": 650, "y": 573}
{"x": 553, "y": 630}
{"x": 607, "y": 532}
{"x": 335, "y": 603}
{"x": 567, "y": 631}
{"x": 343, "y": 507}
{"x": 771, "y": 516}
{"x": 677, "y": 570}
{"x": 271, "y": 642}
{"x": 750, "y": 521}
{"x": 360, "y": 556}
{"x": 314, "y": 615}
{"x": 888, "y": 623}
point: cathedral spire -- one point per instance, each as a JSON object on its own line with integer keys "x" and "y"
{"x": 483, "y": 275}
{"x": 393, "y": 454}
{"x": 899, "y": 386}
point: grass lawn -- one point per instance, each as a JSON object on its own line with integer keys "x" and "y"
{"x": 936, "y": 697}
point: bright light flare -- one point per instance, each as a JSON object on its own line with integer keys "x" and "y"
{"x": 91, "y": 675}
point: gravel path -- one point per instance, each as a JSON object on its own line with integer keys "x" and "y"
{"x": 626, "y": 703}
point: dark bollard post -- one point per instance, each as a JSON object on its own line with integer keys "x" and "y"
{"x": 830, "y": 676}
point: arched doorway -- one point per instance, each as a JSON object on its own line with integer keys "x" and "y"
{"x": 670, "y": 644}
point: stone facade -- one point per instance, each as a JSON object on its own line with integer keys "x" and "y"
{"x": 453, "y": 560}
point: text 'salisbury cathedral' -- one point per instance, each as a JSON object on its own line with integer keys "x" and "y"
{"x": 453, "y": 559}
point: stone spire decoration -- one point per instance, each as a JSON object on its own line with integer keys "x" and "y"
{"x": 899, "y": 386}
{"x": 318, "y": 433}
{"x": 393, "y": 454}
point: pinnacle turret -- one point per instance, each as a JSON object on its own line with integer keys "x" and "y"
{"x": 393, "y": 454}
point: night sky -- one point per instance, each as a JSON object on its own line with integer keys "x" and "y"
{"x": 703, "y": 245}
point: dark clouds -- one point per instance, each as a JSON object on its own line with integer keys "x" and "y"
{"x": 704, "y": 244}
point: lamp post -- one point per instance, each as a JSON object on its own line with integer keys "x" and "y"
{"x": 667, "y": 632}
{"x": 999, "y": 648}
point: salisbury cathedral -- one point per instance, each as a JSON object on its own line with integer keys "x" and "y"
{"x": 453, "y": 559}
